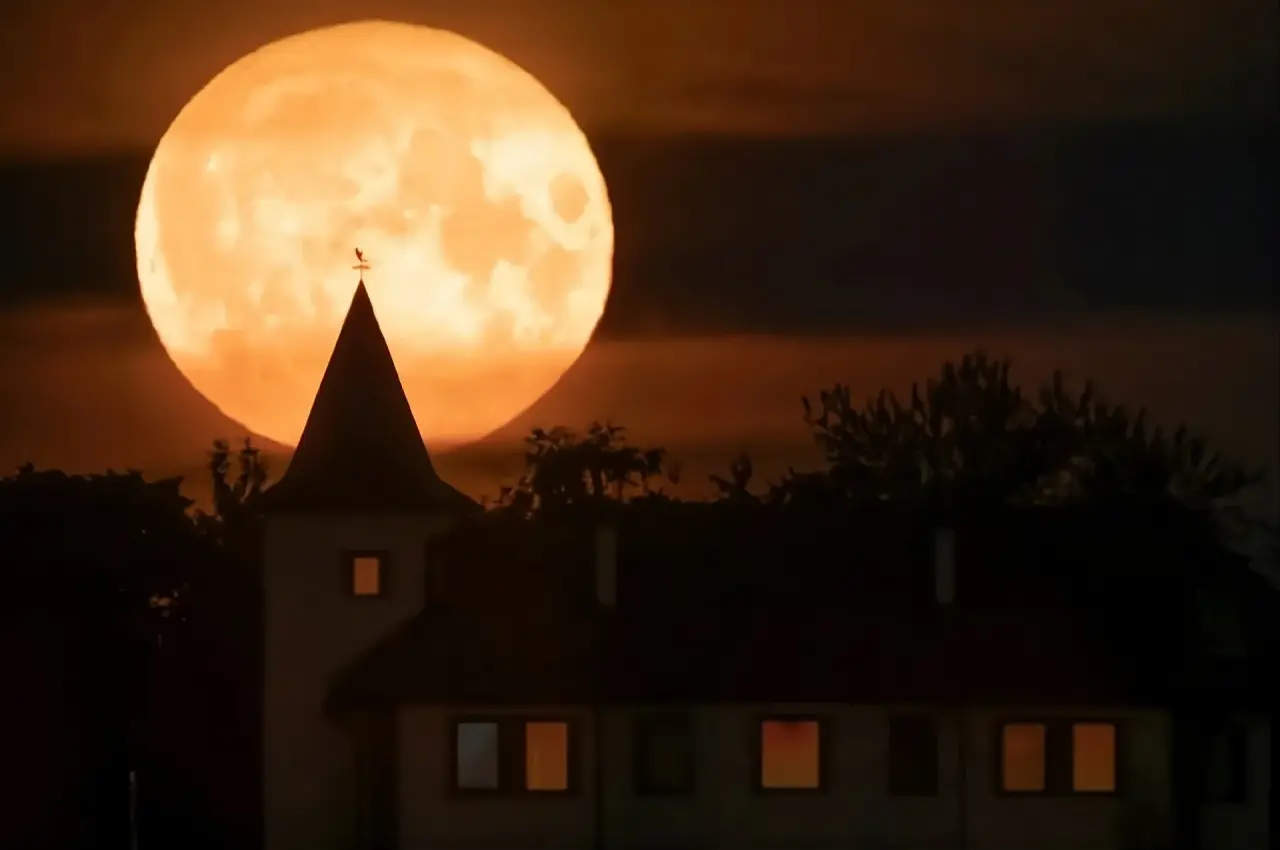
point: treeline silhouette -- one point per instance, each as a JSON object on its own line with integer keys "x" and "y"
{"x": 132, "y": 618}
{"x": 967, "y": 437}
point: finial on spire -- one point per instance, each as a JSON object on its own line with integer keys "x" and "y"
{"x": 361, "y": 265}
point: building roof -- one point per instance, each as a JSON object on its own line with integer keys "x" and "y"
{"x": 786, "y": 609}
{"x": 361, "y": 449}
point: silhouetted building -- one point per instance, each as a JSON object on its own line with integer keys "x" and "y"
{"x": 719, "y": 677}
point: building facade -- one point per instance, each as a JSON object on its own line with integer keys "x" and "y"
{"x": 437, "y": 678}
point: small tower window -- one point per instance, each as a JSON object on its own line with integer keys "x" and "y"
{"x": 365, "y": 574}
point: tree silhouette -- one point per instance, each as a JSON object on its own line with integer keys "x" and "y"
{"x": 96, "y": 568}
{"x": 131, "y": 536}
{"x": 238, "y": 480}
{"x": 1117, "y": 454}
{"x": 566, "y": 470}
{"x": 211, "y": 794}
{"x": 970, "y": 436}
{"x": 737, "y": 487}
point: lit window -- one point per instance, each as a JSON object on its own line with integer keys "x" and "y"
{"x": 477, "y": 767}
{"x": 662, "y": 753}
{"x": 546, "y": 756}
{"x": 366, "y": 575}
{"x": 512, "y": 756}
{"x": 1093, "y": 757}
{"x": 1022, "y": 757}
{"x": 790, "y": 755}
{"x": 913, "y": 756}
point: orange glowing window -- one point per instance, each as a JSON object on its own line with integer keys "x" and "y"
{"x": 1022, "y": 757}
{"x": 790, "y": 754}
{"x": 366, "y": 575}
{"x": 1093, "y": 757}
{"x": 546, "y": 756}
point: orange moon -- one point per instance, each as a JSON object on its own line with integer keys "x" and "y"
{"x": 470, "y": 189}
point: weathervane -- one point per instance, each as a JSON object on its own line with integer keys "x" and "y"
{"x": 362, "y": 265}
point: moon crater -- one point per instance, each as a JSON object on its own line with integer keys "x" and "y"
{"x": 469, "y": 187}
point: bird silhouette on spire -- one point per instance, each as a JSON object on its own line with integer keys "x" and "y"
{"x": 361, "y": 265}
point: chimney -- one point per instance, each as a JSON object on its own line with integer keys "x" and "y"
{"x": 944, "y": 565}
{"x": 607, "y": 566}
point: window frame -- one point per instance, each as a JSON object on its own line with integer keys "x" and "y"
{"x": 934, "y": 788}
{"x": 504, "y": 766}
{"x": 646, "y": 722}
{"x": 347, "y": 572}
{"x": 573, "y": 783}
{"x": 1059, "y": 755}
{"x": 512, "y": 753}
{"x": 824, "y": 754}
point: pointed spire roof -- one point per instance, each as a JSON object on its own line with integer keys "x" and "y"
{"x": 361, "y": 450}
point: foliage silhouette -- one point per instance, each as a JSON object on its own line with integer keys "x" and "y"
{"x": 233, "y": 497}
{"x": 238, "y": 480}
{"x": 966, "y": 438}
{"x": 566, "y": 471}
{"x": 737, "y": 487}
{"x": 970, "y": 436}
{"x": 133, "y": 536}
{"x": 96, "y": 567}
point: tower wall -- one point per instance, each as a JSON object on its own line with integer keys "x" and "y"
{"x": 312, "y": 628}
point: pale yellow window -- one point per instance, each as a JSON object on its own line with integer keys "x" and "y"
{"x": 1022, "y": 757}
{"x": 546, "y": 756}
{"x": 1093, "y": 757}
{"x": 366, "y": 575}
{"x": 790, "y": 754}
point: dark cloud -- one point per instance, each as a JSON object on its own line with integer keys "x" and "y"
{"x": 82, "y": 74}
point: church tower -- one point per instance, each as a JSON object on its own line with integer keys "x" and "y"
{"x": 343, "y": 563}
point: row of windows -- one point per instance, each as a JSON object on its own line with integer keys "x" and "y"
{"x": 514, "y": 755}
{"x": 1032, "y": 757}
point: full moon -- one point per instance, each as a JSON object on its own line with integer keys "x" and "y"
{"x": 470, "y": 189}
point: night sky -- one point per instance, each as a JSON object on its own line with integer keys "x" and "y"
{"x": 803, "y": 192}
{"x": 87, "y": 76}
